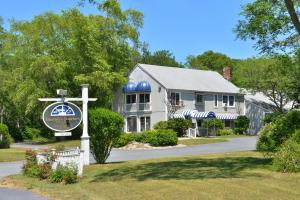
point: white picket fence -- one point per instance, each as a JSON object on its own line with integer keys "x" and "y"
{"x": 70, "y": 157}
{"x": 192, "y": 132}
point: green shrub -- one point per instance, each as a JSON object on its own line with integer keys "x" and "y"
{"x": 241, "y": 124}
{"x": 272, "y": 117}
{"x": 105, "y": 128}
{"x": 123, "y": 140}
{"x": 213, "y": 123}
{"x": 222, "y": 132}
{"x": 5, "y": 138}
{"x": 65, "y": 174}
{"x": 162, "y": 137}
{"x": 142, "y": 137}
{"x": 287, "y": 158}
{"x": 161, "y": 125}
{"x": 30, "y": 133}
{"x": 296, "y": 136}
{"x": 265, "y": 142}
{"x": 179, "y": 126}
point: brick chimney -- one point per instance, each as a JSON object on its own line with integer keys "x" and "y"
{"x": 227, "y": 73}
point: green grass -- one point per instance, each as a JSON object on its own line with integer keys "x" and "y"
{"x": 12, "y": 154}
{"x": 66, "y": 143}
{"x": 243, "y": 175}
{"x": 202, "y": 140}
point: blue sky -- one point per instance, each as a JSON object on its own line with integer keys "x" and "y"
{"x": 185, "y": 27}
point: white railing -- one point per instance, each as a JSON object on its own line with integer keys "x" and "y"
{"x": 138, "y": 106}
{"x": 72, "y": 157}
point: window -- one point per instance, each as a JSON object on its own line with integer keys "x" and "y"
{"x": 199, "y": 98}
{"x": 144, "y": 98}
{"x": 227, "y": 123}
{"x": 216, "y": 100}
{"x": 228, "y": 101}
{"x": 131, "y": 124}
{"x": 130, "y": 98}
{"x": 175, "y": 98}
{"x": 145, "y": 123}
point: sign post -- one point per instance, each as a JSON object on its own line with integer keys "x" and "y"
{"x": 64, "y": 116}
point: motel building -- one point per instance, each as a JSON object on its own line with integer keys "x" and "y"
{"x": 158, "y": 93}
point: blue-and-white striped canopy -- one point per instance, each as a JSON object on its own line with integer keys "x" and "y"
{"x": 178, "y": 116}
{"x": 226, "y": 115}
{"x": 188, "y": 112}
{"x": 203, "y": 115}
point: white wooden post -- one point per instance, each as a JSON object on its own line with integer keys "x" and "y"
{"x": 85, "y": 138}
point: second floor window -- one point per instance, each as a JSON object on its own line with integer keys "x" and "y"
{"x": 175, "y": 98}
{"x": 199, "y": 98}
{"x": 144, "y": 98}
{"x": 130, "y": 98}
{"x": 228, "y": 101}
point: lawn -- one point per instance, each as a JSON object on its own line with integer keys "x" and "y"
{"x": 244, "y": 175}
{"x": 208, "y": 140}
{"x": 12, "y": 154}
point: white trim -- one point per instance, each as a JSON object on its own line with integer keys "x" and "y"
{"x": 145, "y": 116}
{"x": 126, "y": 128}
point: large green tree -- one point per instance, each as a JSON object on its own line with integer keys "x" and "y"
{"x": 273, "y": 24}
{"x": 63, "y": 51}
{"x": 210, "y": 60}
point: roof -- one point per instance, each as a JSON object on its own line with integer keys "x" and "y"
{"x": 189, "y": 79}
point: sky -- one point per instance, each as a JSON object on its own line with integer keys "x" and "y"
{"x": 185, "y": 27}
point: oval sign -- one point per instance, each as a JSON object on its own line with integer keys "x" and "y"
{"x": 62, "y": 116}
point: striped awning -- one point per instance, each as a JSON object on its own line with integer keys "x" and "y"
{"x": 226, "y": 115}
{"x": 178, "y": 116}
{"x": 188, "y": 112}
{"x": 203, "y": 115}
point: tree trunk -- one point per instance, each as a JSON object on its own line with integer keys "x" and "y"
{"x": 292, "y": 12}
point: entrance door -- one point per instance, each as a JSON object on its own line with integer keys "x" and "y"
{"x": 131, "y": 124}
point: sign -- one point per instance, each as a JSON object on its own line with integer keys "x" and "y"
{"x": 61, "y": 134}
{"x": 62, "y": 117}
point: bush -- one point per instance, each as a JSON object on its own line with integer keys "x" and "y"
{"x": 265, "y": 142}
{"x": 162, "y": 138}
{"x": 30, "y": 168}
{"x": 287, "y": 158}
{"x": 241, "y": 125}
{"x": 105, "y": 128}
{"x": 272, "y": 117}
{"x": 65, "y": 174}
{"x": 123, "y": 140}
{"x": 5, "y": 138}
{"x": 44, "y": 170}
{"x": 222, "y": 132}
{"x": 179, "y": 126}
{"x": 31, "y": 133}
{"x": 213, "y": 123}
{"x": 161, "y": 125}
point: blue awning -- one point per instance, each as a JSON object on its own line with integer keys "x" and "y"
{"x": 129, "y": 87}
{"x": 143, "y": 86}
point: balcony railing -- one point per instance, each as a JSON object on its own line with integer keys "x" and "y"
{"x": 138, "y": 107}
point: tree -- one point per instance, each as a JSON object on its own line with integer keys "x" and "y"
{"x": 210, "y": 60}
{"x": 274, "y": 25}
{"x": 54, "y": 51}
{"x": 273, "y": 76}
{"x": 161, "y": 57}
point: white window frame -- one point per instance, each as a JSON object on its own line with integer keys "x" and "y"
{"x": 216, "y": 96}
{"x": 145, "y": 125}
{"x": 223, "y": 104}
{"x": 175, "y": 98}
{"x": 137, "y": 121}
{"x": 144, "y": 98}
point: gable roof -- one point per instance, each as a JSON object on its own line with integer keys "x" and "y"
{"x": 189, "y": 79}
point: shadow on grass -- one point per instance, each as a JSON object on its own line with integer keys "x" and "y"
{"x": 186, "y": 169}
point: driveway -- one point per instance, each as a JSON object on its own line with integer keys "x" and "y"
{"x": 234, "y": 145}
